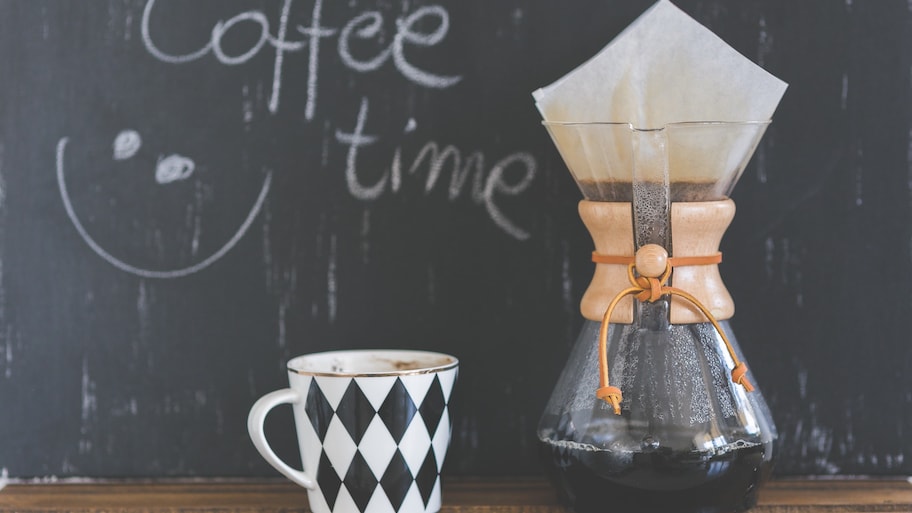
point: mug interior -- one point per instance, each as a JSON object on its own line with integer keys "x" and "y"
{"x": 371, "y": 362}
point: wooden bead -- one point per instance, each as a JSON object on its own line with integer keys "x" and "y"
{"x": 651, "y": 260}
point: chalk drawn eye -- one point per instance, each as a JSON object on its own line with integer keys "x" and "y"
{"x": 126, "y": 144}
{"x": 172, "y": 168}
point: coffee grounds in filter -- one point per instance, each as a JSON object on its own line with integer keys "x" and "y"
{"x": 617, "y": 191}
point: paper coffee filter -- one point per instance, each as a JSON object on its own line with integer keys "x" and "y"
{"x": 665, "y": 73}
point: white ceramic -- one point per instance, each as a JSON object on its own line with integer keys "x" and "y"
{"x": 373, "y": 428}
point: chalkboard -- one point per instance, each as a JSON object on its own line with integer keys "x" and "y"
{"x": 193, "y": 192}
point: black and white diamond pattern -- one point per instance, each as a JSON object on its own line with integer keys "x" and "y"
{"x": 383, "y": 442}
{"x": 397, "y": 401}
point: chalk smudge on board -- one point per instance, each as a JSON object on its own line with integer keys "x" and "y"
{"x": 764, "y": 43}
{"x": 847, "y": 444}
{"x": 45, "y": 23}
{"x": 267, "y": 244}
{"x": 200, "y": 397}
{"x": 119, "y": 23}
{"x": 516, "y": 26}
{"x": 289, "y": 283}
{"x": 893, "y": 460}
{"x": 128, "y": 25}
{"x": 331, "y": 300}
{"x": 518, "y": 16}
{"x": 769, "y": 257}
{"x": 143, "y": 315}
{"x": 197, "y": 209}
{"x": 246, "y": 106}
{"x": 844, "y": 98}
{"x": 282, "y": 340}
{"x": 129, "y": 407}
{"x": 467, "y": 432}
{"x": 89, "y": 407}
{"x": 8, "y": 343}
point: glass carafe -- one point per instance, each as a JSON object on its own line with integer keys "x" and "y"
{"x": 655, "y": 409}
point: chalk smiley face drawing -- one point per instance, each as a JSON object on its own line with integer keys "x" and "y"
{"x": 168, "y": 170}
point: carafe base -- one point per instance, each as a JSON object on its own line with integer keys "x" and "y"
{"x": 660, "y": 480}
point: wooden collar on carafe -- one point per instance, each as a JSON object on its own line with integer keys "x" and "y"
{"x": 697, "y": 229}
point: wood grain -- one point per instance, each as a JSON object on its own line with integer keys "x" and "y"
{"x": 465, "y": 496}
{"x": 611, "y": 228}
{"x": 696, "y": 230}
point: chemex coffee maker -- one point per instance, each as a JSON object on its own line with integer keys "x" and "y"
{"x": 656, "y": 409}
{"x": 656, "y": 406}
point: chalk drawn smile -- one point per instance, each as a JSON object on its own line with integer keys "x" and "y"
{"x": 169, "y": 169}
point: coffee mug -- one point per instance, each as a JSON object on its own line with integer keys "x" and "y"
{"x": 373, "y": 427}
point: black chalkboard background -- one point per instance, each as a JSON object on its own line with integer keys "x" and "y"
{"x": 235, "y": 226}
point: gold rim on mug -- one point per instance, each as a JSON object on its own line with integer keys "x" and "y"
{"x": 451, "y": 363}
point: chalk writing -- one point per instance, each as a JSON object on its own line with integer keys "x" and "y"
{"x": 423, "y": 27}
{"x": 365, "y": 27}
{"x": 485, "y": 190}
{"x": 139, "y": 271}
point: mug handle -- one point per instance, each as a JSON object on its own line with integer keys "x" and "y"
{"x": 255, "y": 428}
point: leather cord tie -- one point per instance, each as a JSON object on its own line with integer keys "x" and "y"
{"x": 648, "y": 286}
{"x": 674, "y": 261}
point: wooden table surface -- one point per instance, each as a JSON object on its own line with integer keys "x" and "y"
{"x": 468, "y": 496}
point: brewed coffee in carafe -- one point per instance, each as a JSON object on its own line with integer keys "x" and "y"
{"x": 655, "y": 409}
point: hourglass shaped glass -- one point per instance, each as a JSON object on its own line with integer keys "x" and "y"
{"x": 656, "y": 409}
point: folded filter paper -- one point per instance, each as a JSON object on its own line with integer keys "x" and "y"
{"x": 666, "y": 101}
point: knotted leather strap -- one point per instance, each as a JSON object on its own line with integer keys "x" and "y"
{"x": 651, "y": 289}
